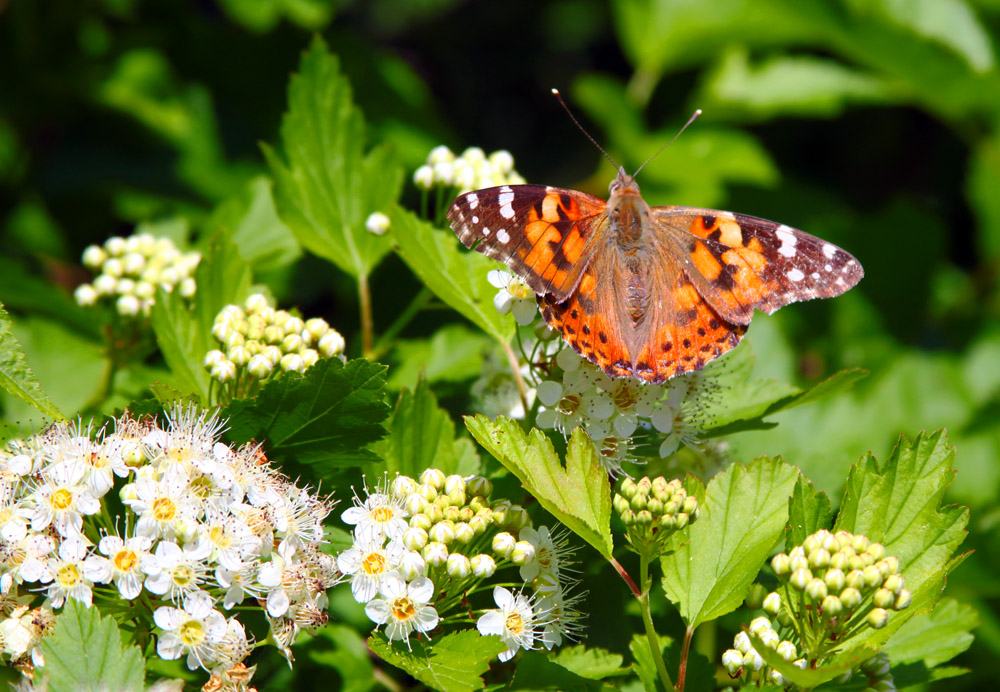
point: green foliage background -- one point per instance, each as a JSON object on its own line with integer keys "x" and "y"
{"x": 872, "y": 123}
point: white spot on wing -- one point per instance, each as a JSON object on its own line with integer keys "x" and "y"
{"x": 787, "y": 237}
{"x": 796, "y": 275}
{"x": 475, "y": 219}
{"x": 502, "y": 235}
{"x": 486, "y": 231}
{"x": 473, "y": 199}
{"x": 814, "y": 276}
{"x": 828, "y": 268}
{"x": 505, "y": 188}
{"x": 829, "y": 250}
{"x": 505, "y": 199}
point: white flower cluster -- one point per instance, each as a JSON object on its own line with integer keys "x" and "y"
{"x": 613, "y": 410}
{"x": 423, "y": 546}
{"x": 129, "y": 270}
{"x": 471, "y": 170}
{"x": 204, "y": 526}
{"x": 260, "y": 340}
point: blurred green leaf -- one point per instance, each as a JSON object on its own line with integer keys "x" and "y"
{"x": 263, "y": 15}
{"x": 15, "y": 375}
{"x": 85, "y": 654}
{"x": 456, "y": 276}
{"x": 422, "y": 435}
{"x": 324, "y": 186}
{"x": 324, "y": 416}
{"x": 252, "y": 222}
{"x": 590, "y": 662}
{"x": 453, "y": 354}
{"x": 643, "y": 664}
{"x": 808, "y": 512}
{"x": 349, "y": 656}
{"x": 981, "y": 186}
{"x": 577, "y": 494}
{"x": 452, "y": 663}
{"x": 535, "y": 671}
{"x": 804, "y": 86}
{"x": 742, "y": 516}
{"x": 935, "y": 637}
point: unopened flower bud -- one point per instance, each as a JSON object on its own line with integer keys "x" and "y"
{"x": 477, "y": 486}
{"x": 752, "y": 660}
{"x": 758, "y": 625}
{"x": 781, "y": 564}
{"x": 518, "y": 518}
{"x": 832, "y": 607}
{"x": 377, "y": 223}
{"x": 772, "y": 603}
{"x": 483, "y": 566}
{"x": 786, "y": 650}
{"x": 800, "y": 578}
{"x": 436, "y": 554}
{"x": 459, "y": 566}
{"x": 876, "y": 550}
{"x": 85, "y": 295}
{"x": 742, "y": 642}
{"x": 755, "y": 596}
{"x": 903, "y": 599}
{"x": 434, "y": 513}
{"x": 423, "y": 178}
{"x": 628, "y": 489}
{"x": 816, "y": 590}
{"x": 412, "y": 565}
{"x": 415, "y": 504}
{"x": 421, "y": 521}
{"x": 819, "y": 558}
{"x": 522, "y": 553}
{"x": 415, "y": 538}
{"x": 732, "y": 661}
{"x": 644, "y": 517}
{"x": 850, "y": 598}
{"x": 682, "y": 520}
{"x": 873, "y": 576}
{"x": 878, "y": 618}
{"x": 464, "y": 533}
{"x": 503, "y": 544}
{"x": 223, "y": 371}
{"x": 883, "y": 598}
{"x": 434, "y": 478}
{"x": 94, "y": 256}
{"x": 292, "y": 362}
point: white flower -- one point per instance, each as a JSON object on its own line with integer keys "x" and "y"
{"x": 563, "y": 619}
{"x": 377, "y": 223}
{"x": 514, "y": 296}
{"x": 123, "y": 564}
{"x": 62, "y": 498}
{"x": 369, "y": 562}
{"x": 165, "y": 508}
{"x": 70, "y": 574}
{"x": 175, "y": 573}
{"x": 551, "y": 553}
{"x": 298, "y": 518}
{"x": 381, "y": 514}
{"x": 230, "y": 538}
{"x": 513, "y": 619}
{"x": 198, "y": 630}
{"x": 239, "y": 584}
{"x": 404, "y": 607}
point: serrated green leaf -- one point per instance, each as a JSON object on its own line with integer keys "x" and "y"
{"x": 592, "y": 663}
{"x": 885, "y": 502}
{"x": 577, "y": 494}
{"x": 742, "y": 516}
{"x": 535, "y": 671}
{"x": 325, "y": 187}
{"x": 642, "y": 662}
{"x": 808, "y": 512}
{"x": 458, "y": 277}
{"x": 252, "y": 222}
{"x": 422, "y": 435}
{"x": 183, "y": 333}
{"x": 326, "y": 415}
{"x": 15, "y": 375}
{"x": 453, "y": 663}
{"x": 935, "y": 637}
{"x": 85, "y": 654}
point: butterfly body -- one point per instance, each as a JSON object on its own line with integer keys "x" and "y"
{"x": 647, "y": 292}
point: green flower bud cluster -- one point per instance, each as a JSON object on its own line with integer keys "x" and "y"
{"x": 472, "y": 170}
{"x": 652, "y": 510}
{"x": 129, "y": 270}
{"x": 257, "y": 341}
{"x": 835, "y": 584}
{"x": 744, "y": 662}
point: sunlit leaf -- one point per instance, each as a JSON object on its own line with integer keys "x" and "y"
{"x": 452, "y": 663}
{"x": 15, "y": 375}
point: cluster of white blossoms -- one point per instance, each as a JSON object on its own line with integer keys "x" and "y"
{"x": 202, "y": 528}
{"x": 423, "y": 547}
{"x": 260, "y": 341}
{"x": 470, "y": 170}
{"x": 129, "y": 270}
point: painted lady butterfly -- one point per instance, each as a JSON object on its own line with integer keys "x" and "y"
{"x": 647, "y": 292}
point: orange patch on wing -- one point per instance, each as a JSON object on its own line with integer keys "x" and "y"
{"x": 587, "y": 284}
{"x": 706, "y": 263}
{"x": 573, "y": 245}
{"x": 536, "y": 228}
{"x": 730, "y": 233}
{"x": 686, "y": 296}
{"x": 589, "y": 334}
{"x": 540, "y": 256}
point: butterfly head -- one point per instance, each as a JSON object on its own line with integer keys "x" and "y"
{"x": 627, "y": 210}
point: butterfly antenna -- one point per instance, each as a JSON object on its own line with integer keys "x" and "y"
{"x": 555, "y": 92}
{"x": 694, "y": 116}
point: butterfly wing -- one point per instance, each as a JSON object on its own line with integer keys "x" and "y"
{"x": 542, "y": 233}
{"x": 740, "y": 263}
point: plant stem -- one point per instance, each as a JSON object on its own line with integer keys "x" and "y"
{"x": 367, "y": 324}
{"x": 647, "y": 621}
{"x": 515, "y": 368}
{"x": 685, "y": 650}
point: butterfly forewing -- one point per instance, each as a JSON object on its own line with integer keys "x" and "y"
{"x": 542, "y": 233}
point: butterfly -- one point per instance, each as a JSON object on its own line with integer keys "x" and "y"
{"x": 647, "y": 292}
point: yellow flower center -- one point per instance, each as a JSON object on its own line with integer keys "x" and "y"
{"x": 515, "y": 625}
{"x": 521, "y": 290}
{"x": 192, "y": 633}
{"x": 164, "y": 509}
{"x": 403, "y": 608}
{"x": 98, "y": 460}
{"x": 373, "y": 564}
{"x": 126, "y": 559}
{"x": 180, "y": 453}
{"x": 220, "y": 536}
{"x": 382, "y": 514}
{"x": 568, "y": 405}
{"x": 68, "y": 576}
{"x": 201, "y": 487}
{"x": 61, "y": 499}
{"x": 182, "y": 575}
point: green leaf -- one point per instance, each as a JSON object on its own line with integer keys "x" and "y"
{"x": 326, "y": 415}
{"x": 898, "y": 504}
{"x": 184, "y": 334}
{"x": 452, "y": 663}
{"x": 15, "y": 375}
{"x": 325, "y": 187}
{"x": 591, "y": 663}
{"x": 535, "y": 671}
{"x": 85, "y": 653}
{"x": 787, "y": 85}
{"x": 808, "y": 512}
{"x": 643, "y": 664}
{"x": 742, "y": 516}
{"x": 348, "y": 655}
{"x": 252, "y": 222}
{"x": 458, "y": 277}
{"x": 810, "y": 677}
{"x": 454, "y": 354}
{"x": 577, "y": 494}
{"x": 934, "y": 637}
{"x": 422, "y": 435}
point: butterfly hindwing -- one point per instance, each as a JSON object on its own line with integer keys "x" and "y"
{"x": 542, "y": 233}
